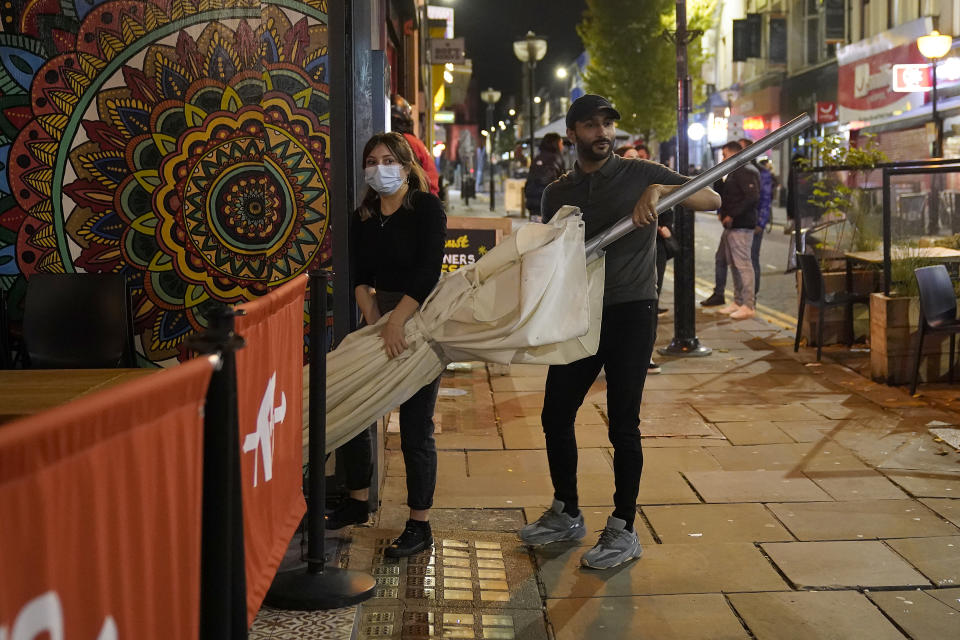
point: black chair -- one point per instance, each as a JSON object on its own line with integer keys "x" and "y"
{"x": 78, "y": 321}
{"x": 938, "y": 312}
{"x": 813, "y": 292}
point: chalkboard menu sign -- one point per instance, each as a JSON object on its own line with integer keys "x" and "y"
{"x": 468, "y": 239}
{"x": 466, "y": 246}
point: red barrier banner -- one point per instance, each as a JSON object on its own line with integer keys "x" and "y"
{"x": 270, "y": 412}
{"x": 100, "y": 512}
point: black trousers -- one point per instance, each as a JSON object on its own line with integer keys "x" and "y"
{"x": 627, "y": 335}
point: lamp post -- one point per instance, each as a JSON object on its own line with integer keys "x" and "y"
{"x": 491, "y": 96}
{"x": 933, "y": 47}
{"x": 530, "y": 50}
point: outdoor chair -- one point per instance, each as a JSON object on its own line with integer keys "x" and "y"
{"x": 78, "y": 321}
{"x": 938, "y": 313}
{"x": 813, "y": 292}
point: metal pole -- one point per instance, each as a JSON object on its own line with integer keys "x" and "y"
{"x": 934, "y": 203}
{"x": 685, "y": 341}
{"x": 595, "y": 245}
{"x": 937, "y": 123}
{"x": 886, "y": 232}
{"x": 531, "y": 65}
{"x": 319, "y": 586}
{"x": 490, "y": 154}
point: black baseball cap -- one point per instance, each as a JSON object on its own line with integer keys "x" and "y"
{"x": 587, "y": 105}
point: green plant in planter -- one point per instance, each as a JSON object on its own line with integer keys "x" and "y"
{"x": 903, "y": 261}
{"x": 864, "y": 220}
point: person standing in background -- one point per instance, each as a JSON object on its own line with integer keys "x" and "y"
{"x": 768, "y": 187}
{"x": 546, "y": 167}
{"x": 401, "y": 121}
{"x": 738, "y": 215}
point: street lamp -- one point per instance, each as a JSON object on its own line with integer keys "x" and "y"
{"x": 491, "y": 96}
{"x": 933, "y": 47}
{"x": 530, "y": 50}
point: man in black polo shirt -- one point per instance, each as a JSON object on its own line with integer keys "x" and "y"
{"x": 607, "y": 188}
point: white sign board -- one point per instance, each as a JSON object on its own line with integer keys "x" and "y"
{"x": 444, "y": 50}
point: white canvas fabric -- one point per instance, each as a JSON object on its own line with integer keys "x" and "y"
{"x": 531, "y": 299}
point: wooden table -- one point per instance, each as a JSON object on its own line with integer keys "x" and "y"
{"x": 24, "y": 392}
{"x": 933, "y": 254}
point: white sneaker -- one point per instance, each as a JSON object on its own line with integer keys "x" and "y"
{"x": 743, "y": 313}
{"x": 730, "y": 308}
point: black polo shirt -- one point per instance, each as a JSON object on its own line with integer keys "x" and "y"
{"x": 605, "y": 197}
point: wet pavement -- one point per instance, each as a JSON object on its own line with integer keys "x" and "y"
{"x": 781, "y": 498}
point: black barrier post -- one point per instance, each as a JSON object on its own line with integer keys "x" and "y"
{"x": 223, "y": 584}
{"x": 318, "y": 586}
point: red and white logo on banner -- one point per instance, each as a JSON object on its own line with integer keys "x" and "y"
{"x": 826, "y": 112}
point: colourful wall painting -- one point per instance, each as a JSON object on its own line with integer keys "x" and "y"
{"x": 180, "y": 142}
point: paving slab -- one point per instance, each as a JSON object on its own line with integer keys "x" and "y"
{"x": 755, "y": 486}
{"x": 863, "y": 519}
{"x": 947, "y": 508}
{"x": 923, "y": 484}
{"x": 693, "y": 441}
{"x": 798, "y": 456}
{"x": 671, "y": 617}
{"x": 808, "y": 431}
{"x": 938, "y": 558}
{"x": 923, "y": 453}
{"x": 518, "y": 435}
{"x": 752, "y": 411}
{"x": 845, "y": 407}
{"x": 677, "y": 459}
{"x": 949, "y": 597}
{"x": 663, "y": 569}
{"x": 829, "y": 615}
{"x": 485, "y": 463}
{"x": 839, "y": 565}
{"x": 664, "y": 487}
{"x": 658, "y": 427}
{"x": 919, "y": 614}
{"x": 452, "y": 464}
{"x": 517, "y": 383}
{"x": 747, "y": 433}
{"x": 713, "y": 523}
{"x": 518, "y": 490}
{"x": 864, "y": 484}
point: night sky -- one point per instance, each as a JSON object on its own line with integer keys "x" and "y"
{"x": 491, "y": 26}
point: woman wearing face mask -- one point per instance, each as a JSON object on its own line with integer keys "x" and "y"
{"x": 397, "y": 236}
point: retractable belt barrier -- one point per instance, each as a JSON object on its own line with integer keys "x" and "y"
{"x": 100, "y": 512}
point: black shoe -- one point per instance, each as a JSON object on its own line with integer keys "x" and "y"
{"x": 415, "y": 538}
{"x": 348, "y": 512}
{"x": 653, "y": 367}
{"x": 715, "y": 300}
{"x": 662, "y": 310}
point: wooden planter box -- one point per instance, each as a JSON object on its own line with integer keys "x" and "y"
{"x": 894, "y": 324}
{"x": 833, "y": 326}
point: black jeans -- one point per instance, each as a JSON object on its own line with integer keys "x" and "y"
{"x": 416, "y": 438}
{"x": 416, "y": 443}
{"x": 627, "y": 334}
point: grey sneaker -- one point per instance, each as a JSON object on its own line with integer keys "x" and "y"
{"x": 615, "y": 546}
{"x": 553, "y": 526}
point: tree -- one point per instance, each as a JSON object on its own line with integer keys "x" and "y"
{"x": 634, "y": 65}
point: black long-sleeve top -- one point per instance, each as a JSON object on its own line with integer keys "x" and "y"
{"x": 740, "y": 193}
{"x": 402, "y": 252}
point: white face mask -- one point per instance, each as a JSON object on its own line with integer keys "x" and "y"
{"x": 385, "y": 179}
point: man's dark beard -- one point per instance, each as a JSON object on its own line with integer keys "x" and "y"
{"x": 586, "y": 150}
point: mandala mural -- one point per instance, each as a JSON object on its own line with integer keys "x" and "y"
{"x": 181, "y": 143}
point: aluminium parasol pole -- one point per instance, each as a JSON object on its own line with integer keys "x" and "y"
{"x": 596, "y": 244}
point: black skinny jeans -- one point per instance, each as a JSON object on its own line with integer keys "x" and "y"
{"x": 416, "y": 440}
{"x": 627, "y": 334}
